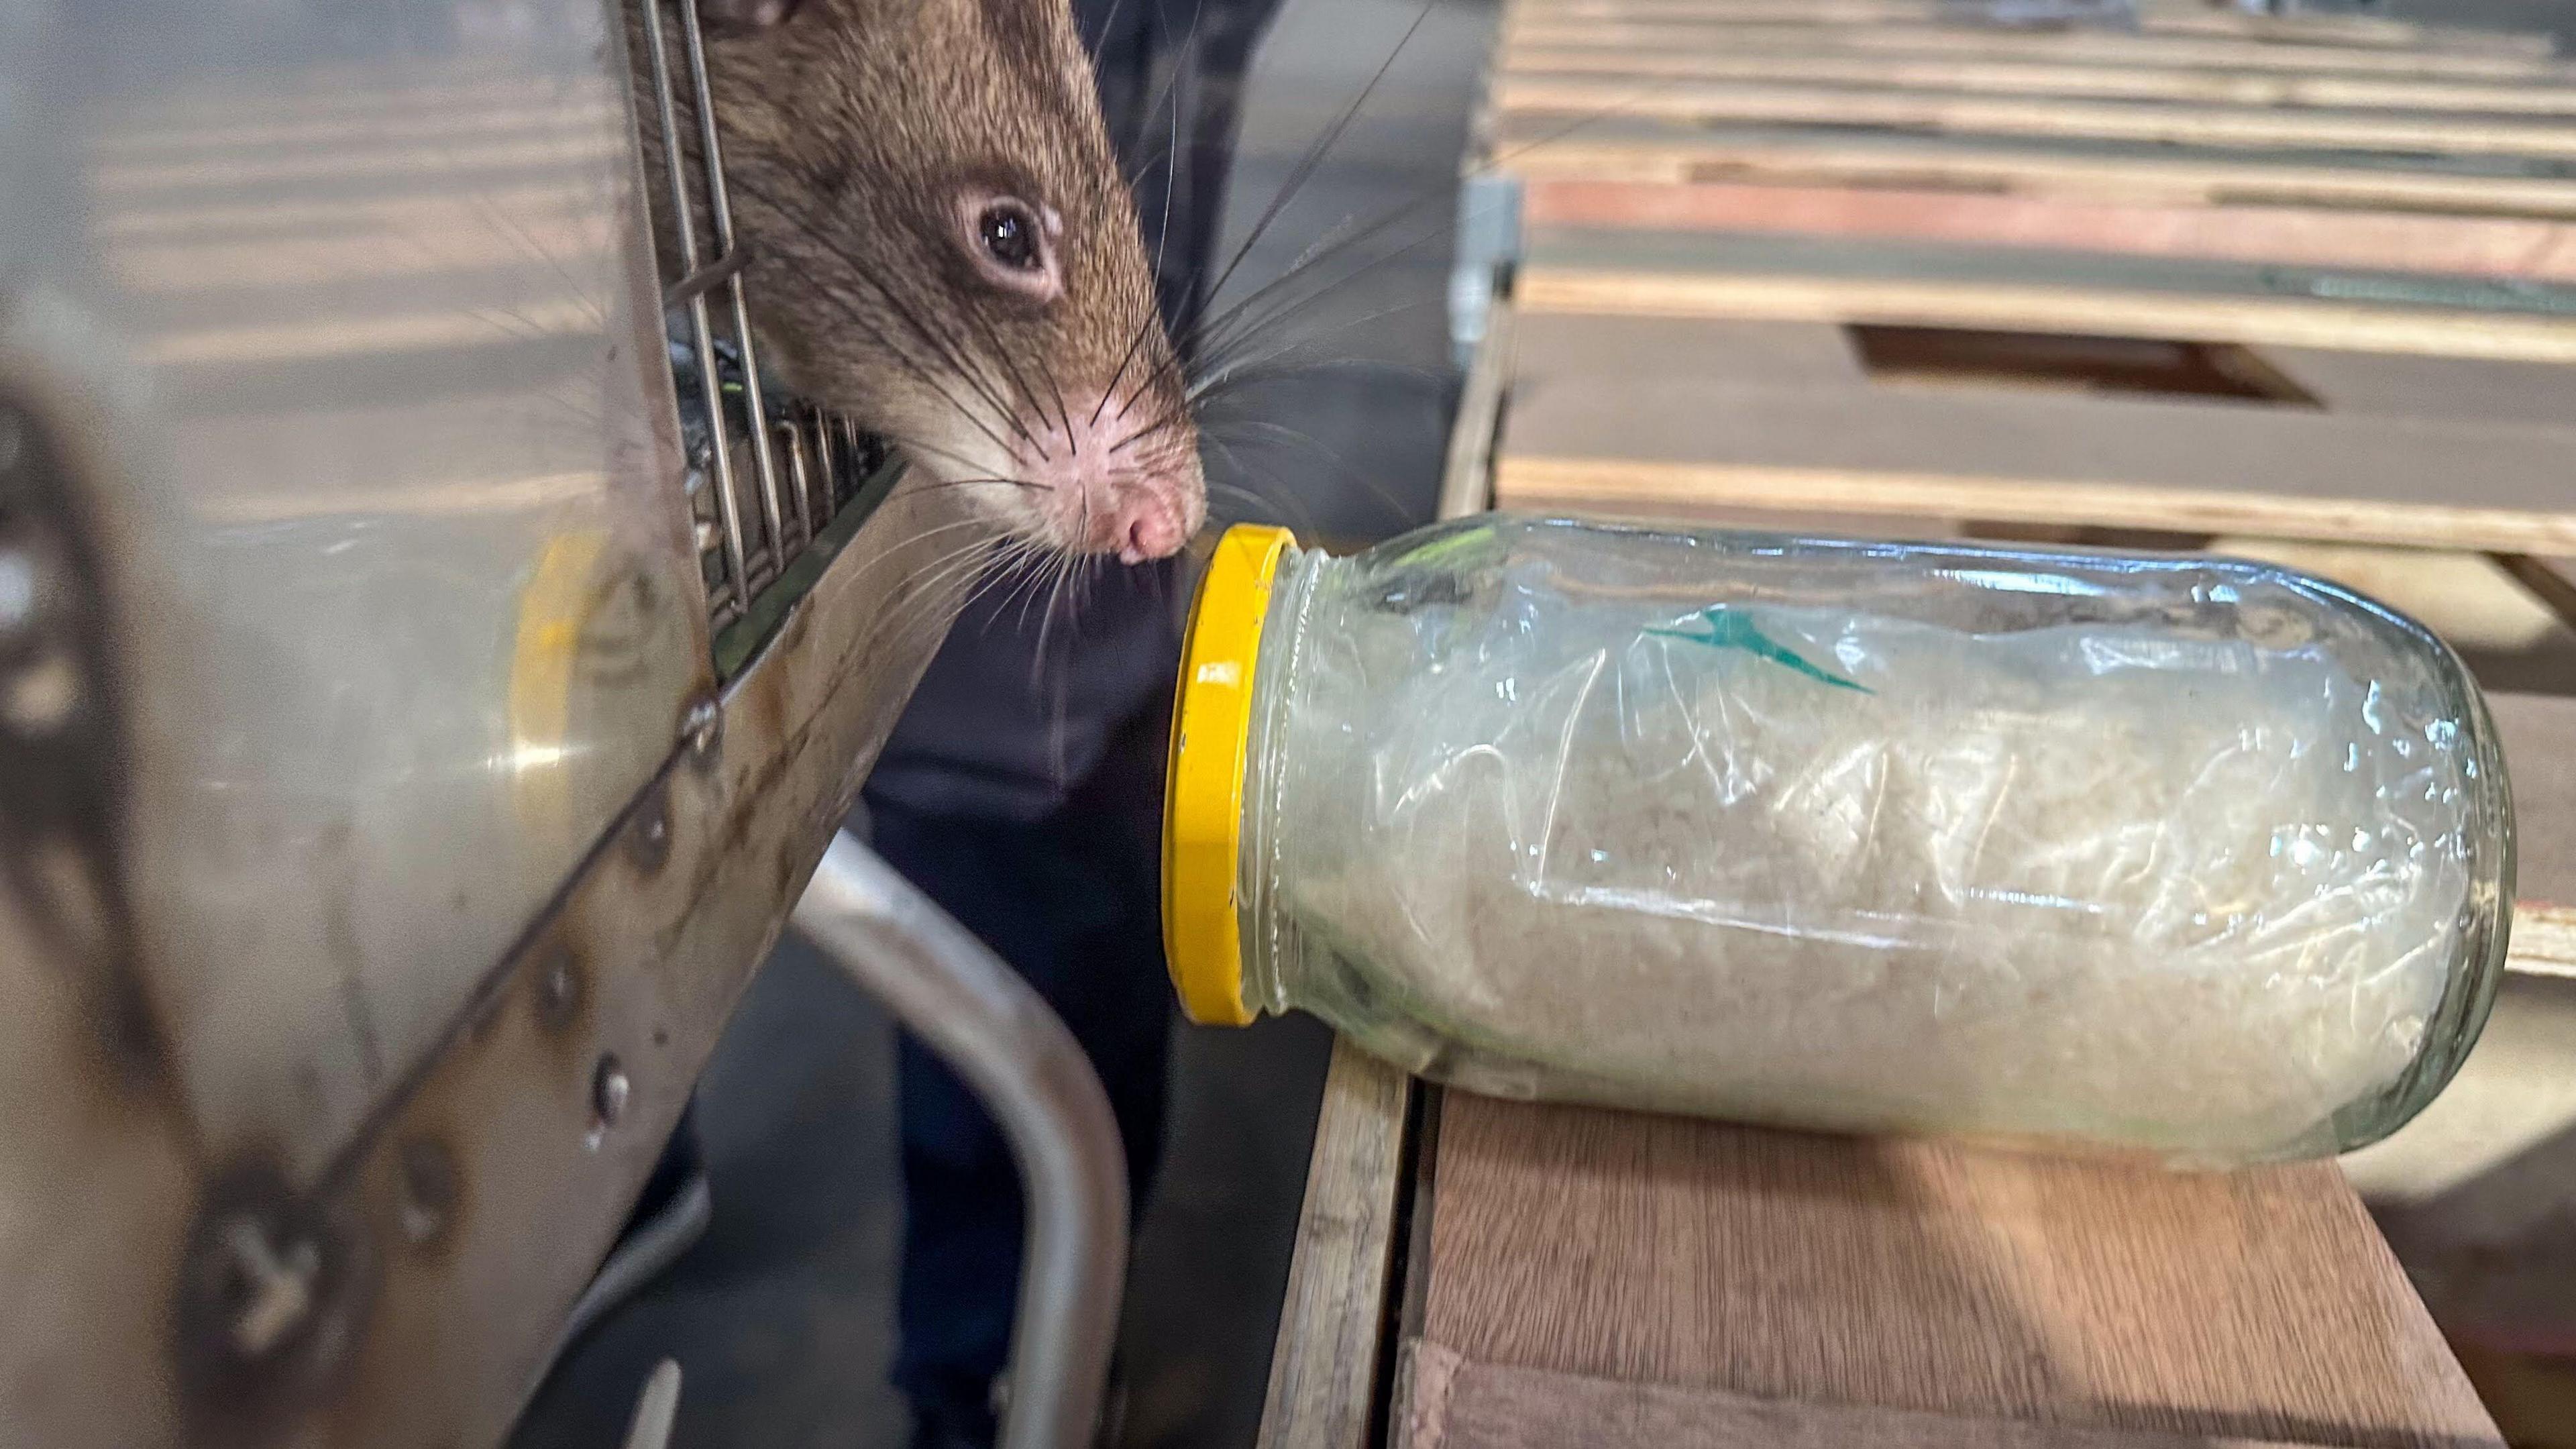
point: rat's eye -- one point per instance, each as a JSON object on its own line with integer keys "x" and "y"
{"x": 1012, "y": 243}
{"x": 1010, "y": 236}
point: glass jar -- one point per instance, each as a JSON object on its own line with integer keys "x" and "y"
{"x": 2183, "y": 856}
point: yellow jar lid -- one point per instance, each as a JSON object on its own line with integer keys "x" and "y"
{"x": 1203, "y": 793}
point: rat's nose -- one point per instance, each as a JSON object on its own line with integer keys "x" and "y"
{"x": 1154, "y": 532}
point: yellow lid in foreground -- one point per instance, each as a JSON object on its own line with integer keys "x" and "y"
{"x": 1203, "y": 794}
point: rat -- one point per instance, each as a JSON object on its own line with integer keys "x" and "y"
{"x": 942, "y": 249}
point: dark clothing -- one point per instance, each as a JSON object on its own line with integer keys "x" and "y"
{"x": 997, "y": 733}
{"x": 1023, "y": 790}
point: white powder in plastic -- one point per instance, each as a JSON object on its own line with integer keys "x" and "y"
{"x": 2090, "y": 882}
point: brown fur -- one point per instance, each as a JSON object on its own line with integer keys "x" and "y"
{"x": 849, "y": 128}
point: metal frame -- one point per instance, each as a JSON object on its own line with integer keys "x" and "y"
{"x": 950, "y": 990}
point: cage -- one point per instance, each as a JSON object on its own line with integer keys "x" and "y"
{"x": 432, "y": 660}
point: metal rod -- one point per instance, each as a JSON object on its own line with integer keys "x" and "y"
{"x": 699, "y": 282}
{"x": 827, "y": 459}
{"x": 656, "y": 1409}
{"x": 950, "y": 990}
{"x": 701, "y": 330}
{"x": 792, "y": 449}
{"x": 720, "y": 216}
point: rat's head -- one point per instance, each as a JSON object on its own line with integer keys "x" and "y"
{"x": 945, "y": 250}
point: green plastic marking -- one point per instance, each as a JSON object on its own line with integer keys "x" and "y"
{"x": 1728, "y": 629}
{"x": 1440, "y": 548}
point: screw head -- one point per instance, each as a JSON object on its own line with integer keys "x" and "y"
{"x": 648, "y": 833}
{"x": 703, "y": 728}
{"x": 558, "y": 992}
{"x": 610, "y": 1090}
{"x": 429, "y": 1191}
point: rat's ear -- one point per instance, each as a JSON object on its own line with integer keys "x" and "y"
{"x": 742, "y": 17}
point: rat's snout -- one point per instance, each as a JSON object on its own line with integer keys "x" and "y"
{"x": 1115, "y": 480}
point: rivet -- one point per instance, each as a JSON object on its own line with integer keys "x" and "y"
{"x": 610, "y": 1090}
{"x": 703, "y": 729}
{"x": 429, "y": 1191}
{"x": 648, "y": 835}
{"x": 558, "y": 992}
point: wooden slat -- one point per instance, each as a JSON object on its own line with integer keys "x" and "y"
{"x": 1682, "y": 33}
{"x": 1929, "y": 1278}
{"x": 2539, "y": 734}
{"x": 1636, "y": 488}
{"x": 2238, "y": 126}
{"x": 2475, "y": 246}
{"x": 1323, "y": 1373}
{"x": 1558, "y": 52}
{"x": 1467, "y": 478}
{"x": 1618, "y": 150}
{"x": 2515, "y": 644}
{"x": 1454, "y": 1402}
{"x": 2336, "y": 30}
{"x": 2003, "y": 306}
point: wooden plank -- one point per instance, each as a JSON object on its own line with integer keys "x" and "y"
{"x": 2397, "y": 385}
{"x": 2236, "y": 126}
{"x": 2094, "y": 46}
{"x": 1651, "y": 489}
{"x": 1615, "y": 149}
{"x": 1647, "y": 415}
{"x": 1467, "y": 477}
{"x": 2378, "y": 32}
{"x": 1323, "y": 1373}
{"x": 2512, "y": 642}
{"x": 1673, "y": 357}
{"x": 1454, "y": 1402}
{"x": 2009, "y": 307}
{"x": 1558, "y": 52}
{"x": 2479, "y": 246}
{"x": 1931, "y": 1278}
{"x": 2539, "y": 734}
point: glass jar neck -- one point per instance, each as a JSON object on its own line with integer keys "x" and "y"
{"x": 1269, "y": 950}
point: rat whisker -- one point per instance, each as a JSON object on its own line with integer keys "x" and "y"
{"x": 1395, "y": 509}
{"x": 1443, "y": 192}
{"x": 1162, "y": 233}
{"x": 1307, "y": 164}
{"x": 1294, "y": 345}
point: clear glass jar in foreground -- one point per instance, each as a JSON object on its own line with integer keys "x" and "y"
{"x": 2204, "y": 859}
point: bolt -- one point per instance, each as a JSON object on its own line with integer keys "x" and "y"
{"x": 429, "y": 1191}
{"x": 267, "y": 1286}
{"x": 610, "y": 1090}
{"x": 703, "y": 728}
{"x": 648, "y": 838}
{"x": 558, "y": 992}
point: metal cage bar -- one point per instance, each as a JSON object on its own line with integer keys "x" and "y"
{"x": 799, "y": 463}
{"x": 728, "y": 518}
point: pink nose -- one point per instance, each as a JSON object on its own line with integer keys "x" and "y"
{"x": 1155, "y": 532}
